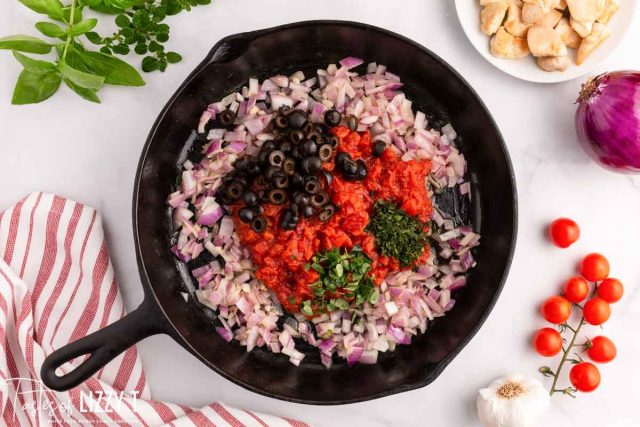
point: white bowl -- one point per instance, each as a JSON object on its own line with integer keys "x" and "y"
{"x": 526, "y": 68}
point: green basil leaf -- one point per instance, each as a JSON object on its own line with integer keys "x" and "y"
{"x": 33, "y": 65}
{"x": 25, "y": 44}
{"x": 162, "y": 37}
{"x": 50, "y": 29}
{"x": 90, "y": 3}
{"x": 51, "y": 8}
{"x": 114, "y": 70}
{"x": 88, "y": 94}
{"x": 80, "y": 78}
{"x": 83, "y": 26}
{"x": 32, "y": 88}
{"x": 106, "y": 8}
{"x": 173, "y": 57}
{"x": 125, "y": 4}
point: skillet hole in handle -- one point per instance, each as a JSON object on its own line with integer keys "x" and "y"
{"x": 102, "y": 346}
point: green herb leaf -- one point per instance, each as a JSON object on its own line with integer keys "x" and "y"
{"x": 397, "y": 234}
{"x": 122, "y": 21}
{"x": 93, "y": 37}
{"x": 154, "y": 46}
{"x": 343, "y": 279}
{"x": 32, "y": 88}
{"x": 88, "y": 94}
{"x": 121, "y": 49}
{"x": 141, "y": 49}
{"x": 162, "y": 37}
{"x": 140, "y": 19}
{"x": 51, "y": 8}
{"x": 173, "y": 7}
{"x": 306, "y": 308}
{"x": 83, "y": 27}
{"x": 27, "y": 44}
{"x": 114, "y": 70}
{"x": 34, "y": 66}
{"x": 50, "y": 29}
{"x": 149, "y": 63}
{"x": 80, "y": 78}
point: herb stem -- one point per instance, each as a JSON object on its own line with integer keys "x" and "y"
{"x": 69, "y": 36}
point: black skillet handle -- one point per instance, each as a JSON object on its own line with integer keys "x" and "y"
{"x": 102, "y": 346}
{"x": 232, "y": 47}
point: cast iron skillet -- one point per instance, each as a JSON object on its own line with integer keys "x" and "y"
{"x": 434, "y": 87}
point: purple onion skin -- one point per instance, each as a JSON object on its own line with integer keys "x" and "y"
{"x": 608, "y": 120}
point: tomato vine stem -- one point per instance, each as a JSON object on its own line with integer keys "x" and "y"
{"x": 556, "y": 374}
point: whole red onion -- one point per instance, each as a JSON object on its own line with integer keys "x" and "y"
{"x": 608, "y": 120}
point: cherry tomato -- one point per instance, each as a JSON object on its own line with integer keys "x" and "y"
{"x": 556, "y": 309}
{"x": 585, "y": 377}
{"x": 563, "y": 232}
{"x": 611, "y": 290}
{"x": 594, "y": 267}
{"x": 596, "y": 311}
{"x": 547, "y": 342}
{"x": 602, "y": 350}
{"x": 576, "y": 289}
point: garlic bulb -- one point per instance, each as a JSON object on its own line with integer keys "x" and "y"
{"x": 512, "y": 401}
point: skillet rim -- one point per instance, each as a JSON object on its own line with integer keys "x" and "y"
{"x": 149, "y": 291}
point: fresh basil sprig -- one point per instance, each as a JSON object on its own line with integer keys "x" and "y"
{"x": 85, "y": 71}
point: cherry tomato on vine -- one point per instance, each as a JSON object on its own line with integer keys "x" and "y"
{"x": 563, "y": 232}
{"x": 594, "y": 267}
{"x": 585, "y": 377}
{"x": 576, "y": 289}
{"x": 596, "y": 311}
{"x": 602, "y": 350}
{"x": 556, "y": 309}
{"x": 611, "y": 290}
{"x": 547, "y": 342}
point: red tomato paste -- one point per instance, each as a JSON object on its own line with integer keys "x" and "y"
{"x": 280, "y": 255}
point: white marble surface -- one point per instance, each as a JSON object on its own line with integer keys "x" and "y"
{"x": 90, "y": 152}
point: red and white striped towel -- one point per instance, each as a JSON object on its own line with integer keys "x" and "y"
{"x": 57, "y": 285}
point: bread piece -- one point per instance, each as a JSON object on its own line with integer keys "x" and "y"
{"x": 550, "y": 19}
{"x": 545, "y": 41}
{"x": 514, "y": 24}
{"x": 504, "y": 45}
{"x": 590, "y": 43}
{"x": 532, "y": 13}
{"x": 560, "y": 4}
{"x": 585, "y": 10}
{"x": 582, "y": 28}
{"x": 553, "y": 63}
{"x": 610, "y": 7}
{"x": 568, "y": 35}
{"x": 491, "y": 17}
